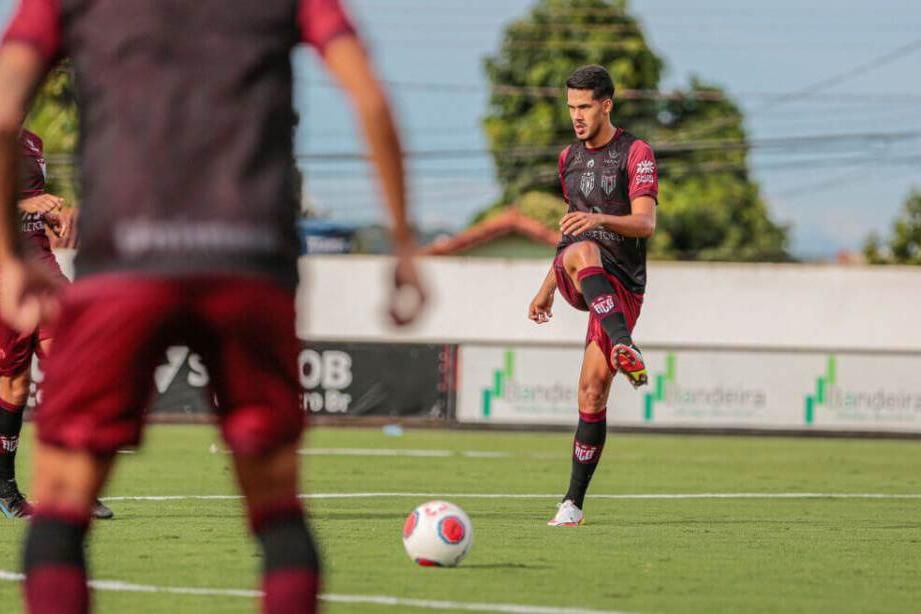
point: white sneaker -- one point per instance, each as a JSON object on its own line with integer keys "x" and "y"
{"x": 568, "y": 515}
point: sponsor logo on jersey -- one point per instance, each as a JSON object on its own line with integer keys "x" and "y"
{"x": 614, "y": 158}
{"x": 645, "y": 172}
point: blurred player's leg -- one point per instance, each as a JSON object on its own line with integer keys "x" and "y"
{"x": 246, "y": 336}
{"x": 583, "y": 264}
{"x": 66, "y": 485}
{"x": 14, "y": 392}
{"x": 100, "y": 510}
{"x": 594, "y": 385}
{"x": 291, "y": 563}
{"x": 115, "y": 329}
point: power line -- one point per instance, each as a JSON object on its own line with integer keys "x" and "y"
{"x": 817, "y": 86}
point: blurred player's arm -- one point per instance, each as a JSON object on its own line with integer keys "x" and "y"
{"x": 349, "y": 64}
{"x": 540, "y": 309}
{"x": 21, "y": 70}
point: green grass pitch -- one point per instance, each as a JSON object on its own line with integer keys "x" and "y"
{"x": 633, "y": 555}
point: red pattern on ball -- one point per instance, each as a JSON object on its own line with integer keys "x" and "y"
{"x": 453, "y": 530}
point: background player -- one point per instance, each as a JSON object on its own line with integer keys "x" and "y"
{"x": 610, "y": 182}
{"x": 36, "y": 207}
{"x": 187, "y": 235}
{"x": 39, "y": 212}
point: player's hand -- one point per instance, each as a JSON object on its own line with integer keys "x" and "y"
{"x": 28, "y": 294}
{"x": 577, "y": 222}
{"x": 43, "y": 203}
{"x": 540, "y": 309}
{"x": 63, "y": 224}
{"x": 408, "y": 297}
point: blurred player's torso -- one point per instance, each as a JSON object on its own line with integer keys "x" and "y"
{"x": 597, "y": 181}
{"x": 186, "y": 161}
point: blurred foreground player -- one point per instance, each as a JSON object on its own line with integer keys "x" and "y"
{"x": 187, "y": 235}
{"x": 610, "y": 182}
{"x": 38, "y": 212}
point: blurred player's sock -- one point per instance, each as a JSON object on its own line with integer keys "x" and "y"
{"x": 54, "y": 563}
{"x": 602, "y": 300}
{"x": 10, "y": 427}
{"x": 586, "y": 452}
{"x": 291, "y": 575}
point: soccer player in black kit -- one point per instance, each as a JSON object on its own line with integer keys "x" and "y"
{"x": 610, "y": 183}
{"x": 187, "y": 236}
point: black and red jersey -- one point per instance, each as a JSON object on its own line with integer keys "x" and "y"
{"x": 605, "y": 180}
{"x": 32, "y": 176}
{"x": 186, "y": 150}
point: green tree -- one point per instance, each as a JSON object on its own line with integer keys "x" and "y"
{"x": 904, "y": 246}
{"x": 53, "y": 117}
{"x": 711, "y": 208}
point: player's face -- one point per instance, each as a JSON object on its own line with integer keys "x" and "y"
{"x": 588, "y": 115}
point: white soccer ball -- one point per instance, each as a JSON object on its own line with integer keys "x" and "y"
{"x": 437, "y": 534}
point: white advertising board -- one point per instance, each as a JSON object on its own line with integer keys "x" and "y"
{"x": 712, "y": 389}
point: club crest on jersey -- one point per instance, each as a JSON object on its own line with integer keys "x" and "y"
{"x": 587, "y": 183}
{"x": 608, "y": 183}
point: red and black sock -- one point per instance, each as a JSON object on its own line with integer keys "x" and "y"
{"x": 54, "y": 563}
{"x": 10, "y": 428}
{"x": 602, "y": 301}
{"x": 586, "y": 452}
{"x": 291, "y": 572}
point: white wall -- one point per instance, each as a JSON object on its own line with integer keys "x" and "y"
{"x": 697, "y": 305}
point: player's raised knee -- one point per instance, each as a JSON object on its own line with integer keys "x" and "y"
{"x": 591, "y": 397}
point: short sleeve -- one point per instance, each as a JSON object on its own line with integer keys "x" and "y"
{"x": 37, "y": 23}
{"x": 321, "y": 21}
{"x": 642, "y": 172}
{"x": 561, "y": 167}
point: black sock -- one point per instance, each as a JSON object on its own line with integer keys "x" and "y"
{"x": 10, "y": 427}
{"x": 586, "y": 452}
{"x": 55, "y": 564}
{"x": 291, "y": 575}
{"x": 602, "y": 300}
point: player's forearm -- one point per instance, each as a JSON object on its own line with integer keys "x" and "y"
{"x": 387, "y": 156}
{"x": 633, "y": 225}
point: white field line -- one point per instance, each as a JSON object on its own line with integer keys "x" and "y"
{"x": 432, "y": 495}
{"x": 419, "y": 453}
{"x": 386, "y": 600}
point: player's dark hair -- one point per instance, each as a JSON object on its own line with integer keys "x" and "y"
{"x": 592, "y": 77}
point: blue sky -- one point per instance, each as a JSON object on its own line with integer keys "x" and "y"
{"x": 755, "y": 50}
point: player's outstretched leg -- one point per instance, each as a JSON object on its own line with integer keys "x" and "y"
{"x": 66, "y": 484}
{"x": 14, "y": 391}
{"x": 583, "y": 263}
{"x": 594, "y": 385}
{"x": 291, "y": 563}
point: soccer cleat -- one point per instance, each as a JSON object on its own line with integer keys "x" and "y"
{"x": 13, "y": 503}
{"x": 101, "y": 511}
{"x": 629, "y": 361}
{"x": 568, "y": 515}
